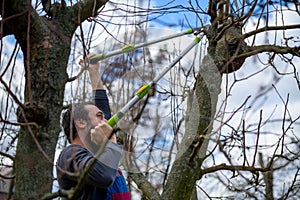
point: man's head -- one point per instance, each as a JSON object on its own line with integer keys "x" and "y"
{"x": 78, "y": 120}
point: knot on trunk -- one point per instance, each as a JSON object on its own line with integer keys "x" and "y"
{"x": 32, "y": 113}
{"x": 228, "y": 47}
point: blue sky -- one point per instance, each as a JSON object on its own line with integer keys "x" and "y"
{"x": 183, "y": 16}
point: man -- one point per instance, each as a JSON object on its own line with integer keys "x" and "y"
{"x": 86, "y": 130}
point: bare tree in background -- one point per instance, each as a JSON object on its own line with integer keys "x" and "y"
{"x": 206, "y": 146}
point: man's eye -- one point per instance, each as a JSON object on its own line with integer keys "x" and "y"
{"x": 101, "y": 116}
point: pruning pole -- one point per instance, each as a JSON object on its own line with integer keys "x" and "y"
{"x": 142, "y": 91}
{"x": 131, "y": 47}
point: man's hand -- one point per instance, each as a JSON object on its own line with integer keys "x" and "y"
{"x": 94, "y": 73}
{"x": 101, "y": 133}
{"x": 92, "y": 67}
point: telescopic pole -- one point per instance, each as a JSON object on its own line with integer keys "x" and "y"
{"x": 145, "y": 88}
{"x": 132, "y": 47}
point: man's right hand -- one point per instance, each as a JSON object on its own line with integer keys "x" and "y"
{"x": 101, "y": 133}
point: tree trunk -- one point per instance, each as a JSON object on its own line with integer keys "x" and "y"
{"x": 186, "y": 169}
{"x": 43, "y": 105}
{"x": 44, "y": 93}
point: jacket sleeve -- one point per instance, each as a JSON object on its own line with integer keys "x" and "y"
{"x": 103, "y": 173}
{"x": 101, "y": 101}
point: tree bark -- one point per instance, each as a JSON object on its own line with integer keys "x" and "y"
{"x": 45, "y": 61}
{"x": 186, "y": 169}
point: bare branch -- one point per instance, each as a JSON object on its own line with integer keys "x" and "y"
{"x": 145, "y": 186}
{"x": 7, "y": 155}
{"x": 233, "y": 168}
{"x": 269, "y": 48}
{"x": 269, "y": 28}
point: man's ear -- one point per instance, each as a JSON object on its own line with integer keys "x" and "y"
{"x": 80, "y": 123}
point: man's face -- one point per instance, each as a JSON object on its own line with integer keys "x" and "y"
{"x": 96, "y": 116}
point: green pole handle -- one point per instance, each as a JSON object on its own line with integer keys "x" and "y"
{"x": 115, "y": 118}
{"x": 142, "y": 91}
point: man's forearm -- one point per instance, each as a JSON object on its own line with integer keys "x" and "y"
{"x": 95, "y": 80}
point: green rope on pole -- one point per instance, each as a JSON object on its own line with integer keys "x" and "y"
{"x": 197, "y": 40}
{"x": 128, "y": 48}
{"x": 94, "y": 59}
{"x": 190, "y": 31}
{"x": 143, "y": 90}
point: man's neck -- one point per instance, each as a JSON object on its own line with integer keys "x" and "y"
{"x": 78, "y": 141}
